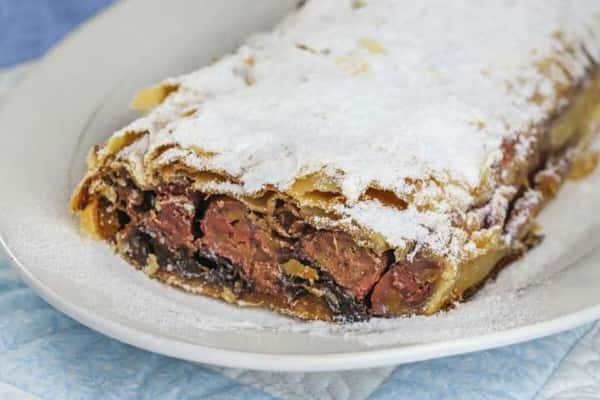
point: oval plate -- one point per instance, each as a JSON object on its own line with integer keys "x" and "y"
{"x": 79, "y": 94}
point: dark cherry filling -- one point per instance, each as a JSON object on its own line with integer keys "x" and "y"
{"x": 220, "y": 240}
{"x": 404, "y": 287}
{"x": 352, "y": 267}
{"x": 187, "y": 264}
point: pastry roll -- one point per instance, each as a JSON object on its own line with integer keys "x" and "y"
{"x": 365, "y": 158}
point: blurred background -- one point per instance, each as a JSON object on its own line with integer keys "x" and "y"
{"x": 28, "y": 28}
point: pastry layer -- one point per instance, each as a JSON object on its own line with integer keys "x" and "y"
{"x": 348, "y": 164}
{"x": 267, "y": 252}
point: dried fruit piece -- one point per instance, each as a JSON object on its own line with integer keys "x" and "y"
{"x": 353, "y": 267}
{"x": 405, "y": 287}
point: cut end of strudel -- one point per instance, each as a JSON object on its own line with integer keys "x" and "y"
{"x": 366, "y": 158}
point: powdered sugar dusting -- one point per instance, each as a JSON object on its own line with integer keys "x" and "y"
{"x": 385, "y": 95}
{"x": 407, "y": 226}
{"x": 435, "y": 100}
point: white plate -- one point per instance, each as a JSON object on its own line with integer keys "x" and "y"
{"x": 79, "y": 94}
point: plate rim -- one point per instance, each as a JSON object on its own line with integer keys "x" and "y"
{"x": 393, "y": 355}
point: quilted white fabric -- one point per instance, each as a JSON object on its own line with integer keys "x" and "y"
{"x": 345, "y": 385}
{"x": 578, "y": 375}
{"x": 13, "y": 393}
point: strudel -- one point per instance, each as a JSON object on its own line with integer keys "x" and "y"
{"x": 365, "y": 158}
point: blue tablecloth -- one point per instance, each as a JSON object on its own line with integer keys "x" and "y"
{"x": 46, "y": 355}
